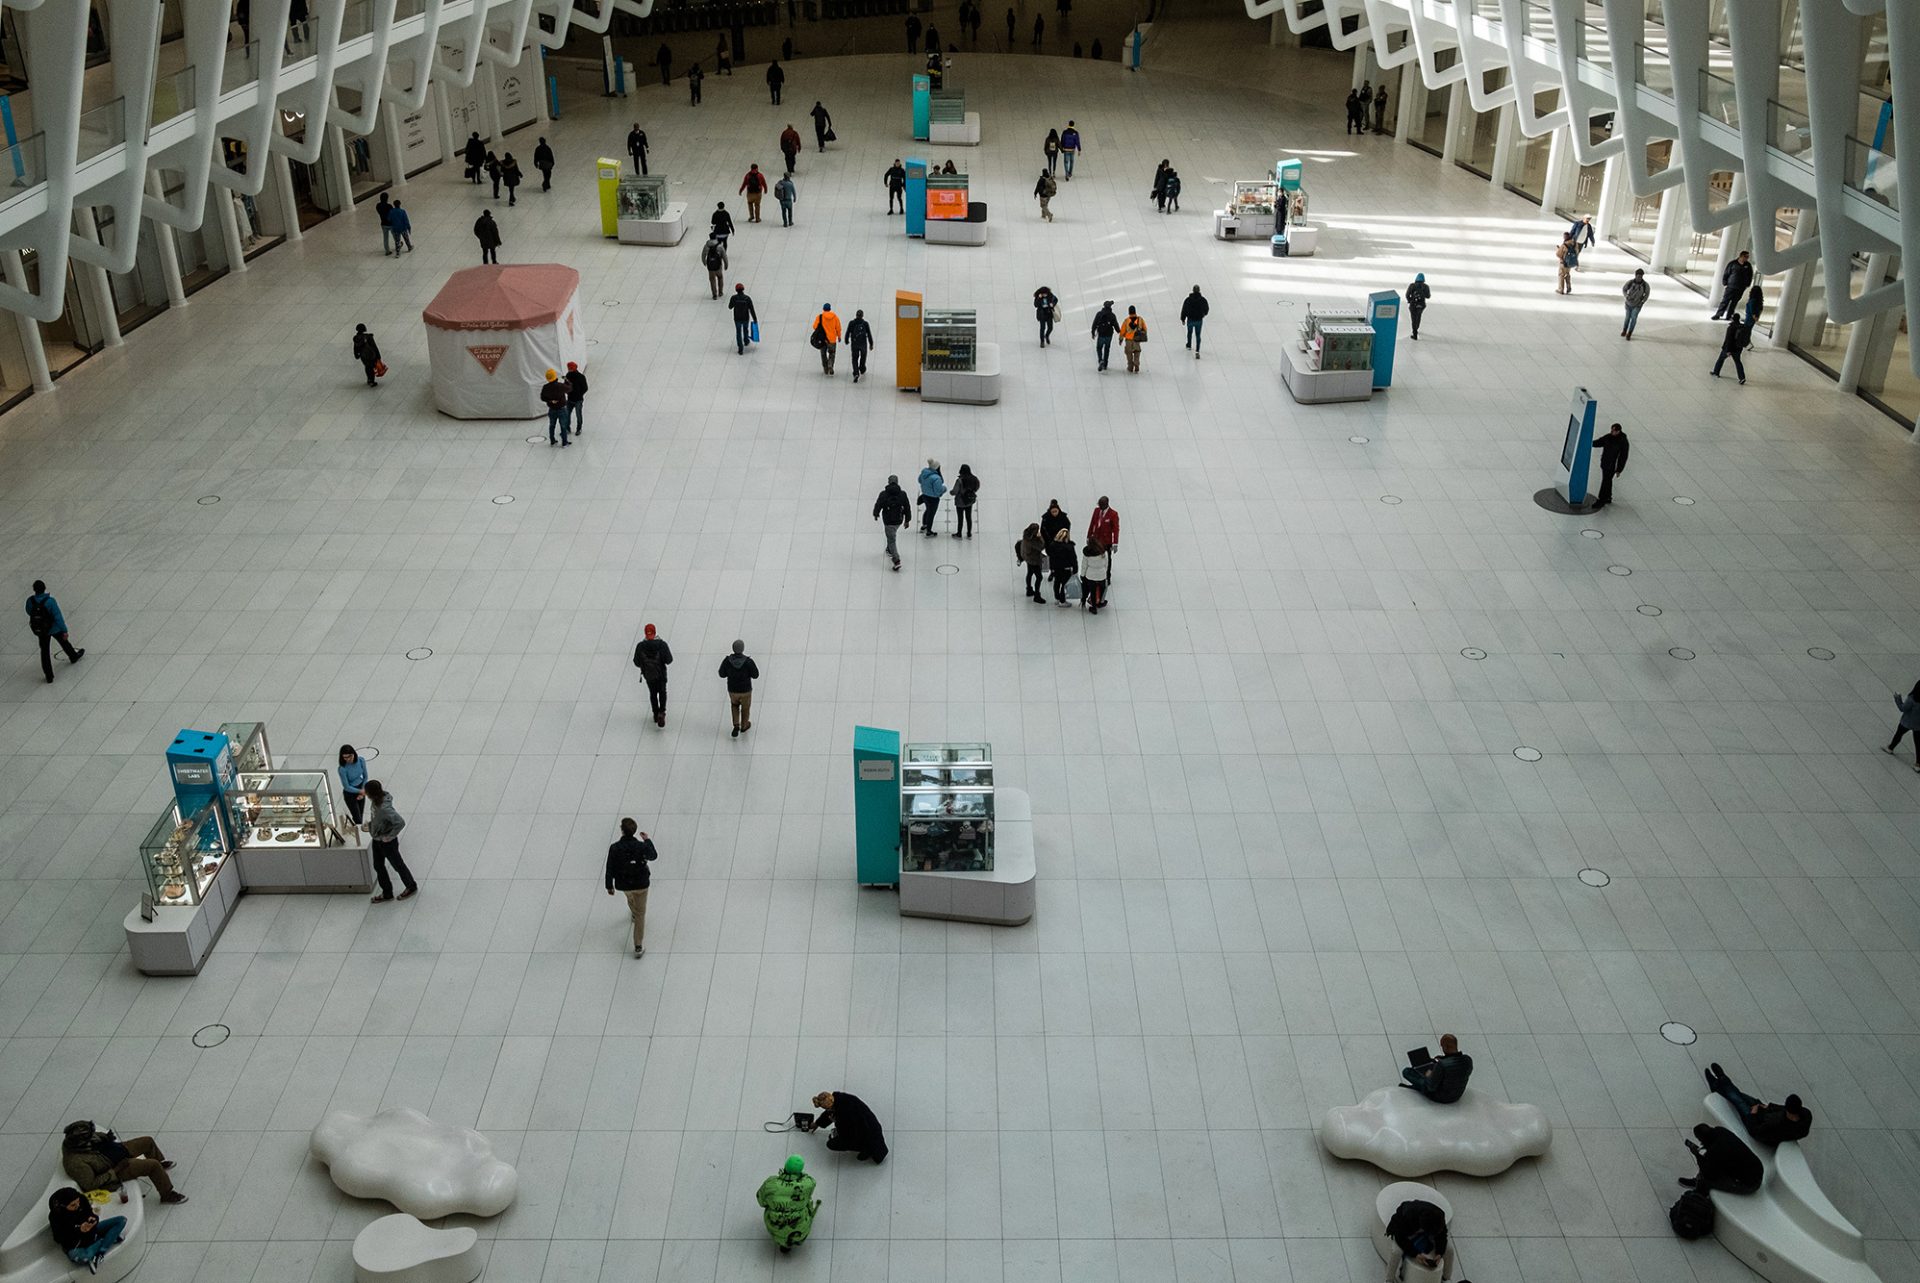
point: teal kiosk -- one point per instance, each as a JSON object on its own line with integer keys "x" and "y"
{"x": 1576, "y": 452}
{"x": 922, "y": 106}
{"x": 876, "y": 806}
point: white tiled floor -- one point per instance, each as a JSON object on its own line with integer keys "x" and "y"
{"x": 1283, "y": 835}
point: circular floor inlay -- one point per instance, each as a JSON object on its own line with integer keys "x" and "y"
{"x": 1359, "y": 440}
{"x": 535, "y": 440}
{"x": 1389, "y": 498}
{"x": 210, "y": 1036}
{"x": 1594, "y": 877}
{"x": 609, "y": 302}
{"x": 1649, "y": 611}
{"x": 1819, "y": 652}
{"x": 1526, "y": 754}
{"x": 1683, "y": 501}
{"x": 1473, "y": 652}
{"x": 503, "y": 499}
{"x": 1679, "y": 652}
{"x": 419, "y": 652}
{"x": 1593, "y": 534}
{"x": 369, "y": 752}
{"x": 946, "y": 570}
{"x": 1619, "y": 570}
{"x": 1678, "y": 1034}
{"x": 207, "y": 500}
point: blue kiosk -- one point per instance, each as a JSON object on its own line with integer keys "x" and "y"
{"x": 1576, "y": 455}
{"x": 922, "y": 105}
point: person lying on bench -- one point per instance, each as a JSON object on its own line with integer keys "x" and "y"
{"x": 1768, "y": 1124}
{"x": 1442, "y": 1080}
{"x": 1725, "y": 1162}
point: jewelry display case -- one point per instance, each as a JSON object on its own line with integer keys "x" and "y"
{"x": 182, "y": 858}
{"x": 289, "y": 835}
{"x": 251, "y": 751}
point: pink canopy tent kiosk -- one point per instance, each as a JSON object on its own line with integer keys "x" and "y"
{"x": 493, "y": 333}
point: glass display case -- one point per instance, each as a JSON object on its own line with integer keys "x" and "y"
{"x": 946, "y": 807}
{"x": 250, "y": 749}
{"x": 643, "y": 197}
{"x": 950, "y": 339}
{"x": 284, "y": 809}
{"x": 1254, "y": 201}
{"x": 1337, "y": 340}
{"x": 182, "y": 857}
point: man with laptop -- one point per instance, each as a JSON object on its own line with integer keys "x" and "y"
{"x": 1442, "y": 1079}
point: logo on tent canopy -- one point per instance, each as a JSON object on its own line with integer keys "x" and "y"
{"x": 489, "y": 355}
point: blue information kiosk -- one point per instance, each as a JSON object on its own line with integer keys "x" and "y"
{"x": 916, "y": 218}
{"x": 922, "y": 106}
{"x": 1576, "y": 454}
{"x": 876, "y": 806}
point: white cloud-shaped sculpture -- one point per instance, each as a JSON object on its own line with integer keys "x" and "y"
{"x": 424, "y": 1168}
{"x": 1400, "y": 1131}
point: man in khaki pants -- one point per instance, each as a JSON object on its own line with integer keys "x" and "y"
{"x": 740, "y": 670}
{"x": 627, "y": 871}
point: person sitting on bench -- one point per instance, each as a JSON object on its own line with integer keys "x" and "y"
{"x": 1725, "y": 1163}
{"x": 1768, "y": 1124}
{"x": 1418, "y": 1232}
{"x": 1444, "y": 1080}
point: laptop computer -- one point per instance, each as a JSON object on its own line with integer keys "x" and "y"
{"x": 1419, "y": 1056}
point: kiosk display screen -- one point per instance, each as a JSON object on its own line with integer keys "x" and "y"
{"x": 1572, "y": 447}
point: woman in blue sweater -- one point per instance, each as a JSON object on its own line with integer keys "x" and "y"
{"x": 353, "y": 782}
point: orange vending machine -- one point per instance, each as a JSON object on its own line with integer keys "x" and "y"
{"x": 906, "y": 340}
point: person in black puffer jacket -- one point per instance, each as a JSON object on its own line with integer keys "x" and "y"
{"x": 1063, "y": 563}
{"x": 627, "y": 872}
{"x": 893, "y": 510}
{"x": 740, "y": 670}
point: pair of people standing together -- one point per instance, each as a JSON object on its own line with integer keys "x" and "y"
{"x": 383, "y": 828}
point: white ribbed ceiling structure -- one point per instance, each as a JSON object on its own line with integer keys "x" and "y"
{"x": 1719, "y": 102}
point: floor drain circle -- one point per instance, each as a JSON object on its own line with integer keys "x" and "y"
{"x": 419, "y": 652}
{"x": 1678, "y": 1034}
{"x": 1679, "y": 652}
{"x": 1389, "y": 498}
{"x": 1820, "y": 652}
{"x": 535, "y": 440}
{"x": 1473, "y": 652}
{"x": 503, "y": 499}
{"x": 1593, "y": 534}
{"x": 369, "y": 752}
{"x": 593, "y": 342}
{"x": 211, "y": 1036}
{"x": 207, "y": 500}
{"x": 609, "y": 302}
{"x": 1594, "y": 877}
{"x": 1526, "y": 754}
{"x": 1651, "y": 612}
{"x": 946, "y": 570}
{"x": 1359, "y": 440}
{"x": 1683, "y": 501}
{"x": 1620, "y": 570}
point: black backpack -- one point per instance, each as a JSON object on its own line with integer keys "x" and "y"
{"x": 712, "y": 256}
{"x": 1692, "y": 1216}
{"x": 40, "y": 617}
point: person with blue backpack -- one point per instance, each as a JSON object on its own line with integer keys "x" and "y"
{"x": 932, "y": 486}
{"x": 49, "y": 625}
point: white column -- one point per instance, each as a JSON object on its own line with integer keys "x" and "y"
{"x": 1666, "y": 227}
{"x": 1504, "y": 137}
{"x": 443, "y": 118}
{"x": 1611, "y": 181}
{"x": 535, "y": 58}
{"x": 1412, "y": 94}
{"x": 167, "y": 247}
{"x": 222, "y": 201}
{"x": 1457, "y": 111}
{"x": 1793, "y": 286}
{"x": 1276, "y": 29}
{"x": 283, "y": 190}
{"x": 30, "y": 343}
{"x": 396, "y": 154}
{"x": 337, "y": 143}
{"x": 1860, "y": 336}
{"x": 1733, "y": 237}
{"x": 1559, "y": 170}
{"x": 1360, "y": 70}
{"x": 96, "y": 277}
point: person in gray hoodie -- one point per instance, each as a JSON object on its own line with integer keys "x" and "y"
{"x": 740, "y": 670}
{"x": 384, "y": 826}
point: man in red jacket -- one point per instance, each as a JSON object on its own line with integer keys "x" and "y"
{"x": 1104, "y": 526}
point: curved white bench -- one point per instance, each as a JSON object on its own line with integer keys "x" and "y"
{"x": 399, "y": 1249}
{"x": 1387, "y": 1202}
{"x": 29, "y": 1254}
{"x": 1787, "y": 1232}
{"x": 1400, "y": 1131}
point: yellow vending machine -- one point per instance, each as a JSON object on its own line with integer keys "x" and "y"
{"x": 906, "y": 339}
{"x": 609, "y": 196}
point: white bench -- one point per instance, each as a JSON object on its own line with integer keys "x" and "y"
{"x": 29, "y": 1254}
{"x": 1400, "y": 1131}
{"x": 1386, "y": 1203}
{"x": 399, "y": 1249}
{"x": 1787, "y": 1232}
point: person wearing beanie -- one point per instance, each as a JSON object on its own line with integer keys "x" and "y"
{"x": 787, "y": 1204}
{"x": 744, "y": 318}
{"x": 554, "y": 397}
{"x": 893, "y": 510}
{"x": 1768, "y": 1124}
{"x": 1105, "y": 325}
{"x": 1417, "y": 296}
{"x": 932, "y": 486}
{"x": 576, "y": 397}
{"x": 739, "y": 670}
{"x": 367, "y": 352}
{"x": 651, "y": 656}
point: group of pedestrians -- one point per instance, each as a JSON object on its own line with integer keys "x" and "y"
{"x": 1363, "y": 100}
{"x": 894, "y": 511}
{"x": 1062, "y": 148}
{"x": 1737, "y": 289}
{"x": 1166, "y": 187}
{"x": 1046, "y": 550}
{"x": 565, "y": 396}
{"x": 1131, "y": 329}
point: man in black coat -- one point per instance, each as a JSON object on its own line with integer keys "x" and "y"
{"x": 487, "y": 232}
{"x": 859, "y": 341}
{"x": 1734, "y": 283}
{"x": 651, "y": 657}
{"x": 475, "y": 154}
{"x": 822, "y": 124}
{"x": 1768, "y": 1124}
{"x": 1738, "y": 338}
{"x": 739, "y": 670}
{"x": 1613, "y": 461}
{"x": 1104, "y": 325}
{"x": 896, "y": 180}
{"x": 543, "y": 161}
{"x": 627, "y": 871}
{"x": 893, "y": 510}
{"x": 855, "y": 1129}
{"x": 637, "y": 147}
{"x": 1725, "y": 1162}
{"x": 1442, "y": 1080}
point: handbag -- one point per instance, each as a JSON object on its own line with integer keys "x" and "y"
{"x": 819, "y": 339}
{"x": 1056, "y": 313}
{"x": 753, "y": 331}
{"x": 379, "y": 369}
{"x": 832, "y": 137}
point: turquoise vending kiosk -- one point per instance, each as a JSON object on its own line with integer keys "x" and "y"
{"x": 200, "y": 763}
{"x": 876, "y": 805}
{"x": 922, "y": 106}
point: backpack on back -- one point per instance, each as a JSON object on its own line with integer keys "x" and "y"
{"x": 1692, "y": 1216}
{"x": 40, "y": 617}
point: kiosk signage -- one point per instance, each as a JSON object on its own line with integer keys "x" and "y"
{"x": 1576, "y": 452}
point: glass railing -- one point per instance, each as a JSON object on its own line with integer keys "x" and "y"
{"x": 1870, "y": 172}
{"x": 301, "y": 42}
{"x": 103, "y": 127}
{"x": 1651, "y": 68}
{"x": 1717, "y": 99}
{"x": 1787, "y": 129}
{"x": 409, "y": 9}
{"x": 358, "y": 20}
{"x": 241, "y": 68}
{"x": 1593, "y": 46}
{"x": 23, "y": 166}
{"x": 172, "y": 96}
{"x": 1539, "y": 19}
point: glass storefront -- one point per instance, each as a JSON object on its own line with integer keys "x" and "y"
{"x": 1529, "y": 178}
{"x": 1698, "y": 249}
{"x": 1634, "y": 232}
{"x": 1816, "y": 335}
{"x": 1480, "y": 132}
{"x": 1429, "y": 133}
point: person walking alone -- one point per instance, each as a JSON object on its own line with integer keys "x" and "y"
{"x": 1909, "y": 706}
{"x": 47, "y": 624}
{"x": 1636, "y": 292}
{"x": 755, "y": 186}
{"x": 576, "y": 397}
{"x": 787, "y": 1204}
{"x": 744, "y": 318}
{"x": 1734, "y": 282}
{"x": 1756, "y": 300}
{"x": 826, "y": 337}
{"x": 1045, "y": 190}
{"x": 1133, "y": 333}
{"x": 893, "y": 510}
{"x": 721, "y": 223}
{"x": 1030, "y": 550}
{"x": 487, "y": 232}
{"x": 790, "y": 146}
{"x": 383, "y": 827}
{"x": 932, "y": 486}
{"x": 713, "y": 257}
{"x": 1069, "y": 148}
{"x": 637, "y": 147}
{"x": 627, "y": 873}
{"x": 367, "y": 352}
{"x": 1418, "y": 295}
{"x": 694, "y": 77}
{"x": 1613, "y": 447}
{"x": 384, "y": 212}
{"x": 1194, "y": 312}
{"x": 859, "y": 342}
{"x": 1046, "y": 310}
{"x": 740, "y": 672}
{"x": 822, "y": 125}
{"x": 786, "y": 193}
{"x": 474, "y": 154}
{"x": 966, "y": 492}
{"x": 1105, "y": 325}
{"x": 775, "y": 79}
{"x": 663, "y": 59}
{"x": 651, "y": 655}
{"x": 913, "y": 33}
{"x": 543, "y": 161}
{"x": 553, "y": 395}
{"x": 1061, "y": 564}
{"x": 1736, "y": 340}
{"x": 510, "y": 175}
{"x": 896, "y": 180}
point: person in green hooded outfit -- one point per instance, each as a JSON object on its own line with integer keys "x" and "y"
{"x": 787, "y": 1200}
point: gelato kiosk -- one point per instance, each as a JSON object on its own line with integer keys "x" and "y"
{"x": 966, "y": 849}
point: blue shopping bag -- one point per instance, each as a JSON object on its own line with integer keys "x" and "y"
{"x": 753, "y": 331}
